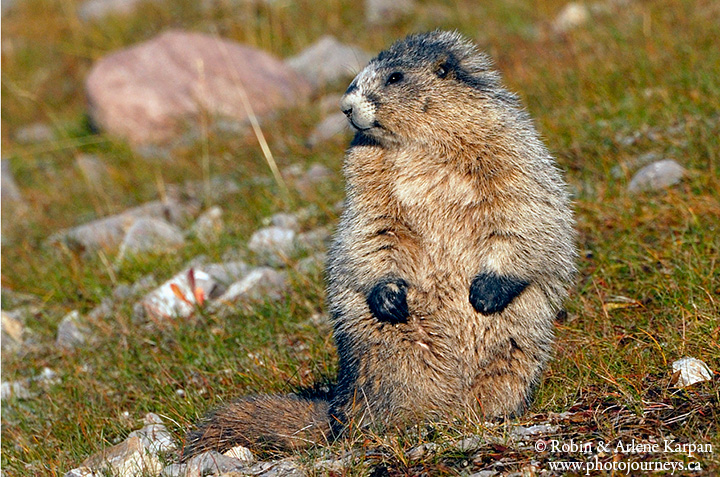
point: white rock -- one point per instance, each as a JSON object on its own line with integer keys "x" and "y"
{"x": 12, "y": 333}
{"x": 93, "y": 169}
{"x": 209, "y": 225}
{"x": 259, "y": 285}
{"x": 108, "y": 232}
{"x": 315, "y": 239}
{"x": 273, "y": 245}
{"x": 164, "y": 302}
{"x": 571, "y": 16}
{"x": 284, "y": 221}
{"x": 240, "y": 453}
{"x": 72, "y": 332}
{"x": 127, "y": 459}
{"x": 14, "y": 390}
{"x": 96, "y": 9}
{"x": 36, "y": 132}
{"x": 658, "y": 175}
{"x": 520, "y": 432}
{"x": 691, "y": 371}
{"x": 154, "y": 435}
{"x": 150, "y": 235}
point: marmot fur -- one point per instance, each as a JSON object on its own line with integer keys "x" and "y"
{"x": 454, "y": 254}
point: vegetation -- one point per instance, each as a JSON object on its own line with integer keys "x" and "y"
{"x": 639, "y": 77}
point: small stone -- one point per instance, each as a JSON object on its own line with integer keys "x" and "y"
{"x": 72, "y": 332}
{"x": 658, "y": 175}
{"x": 570, "y": 17}
{"x": 36, "y": 132}
{"x": 261, "y": 284}
{"x": 312, "y": 264}
{"x": 384, "y": 12}
{"x": 690, "y": 371}
{"x": 328, "y": 61}
{"x": 273, "y": 245}
{"x": 127, "y": 459}
{"x": 12, "y": 333}
{"x": 93, "y": 169}
{"x": 150, "y": 235}
{"x": 469, "y": 443}
{"x": 109, "y": 232}
{"x": 207, "y": 463}
{"x": 284, "y": 221}
{"x": 333, "y": 125}
{"x": 10, "y": 194}
{"x": 422, "y": 451}
{"x": 154, "y": 435}
{"x": 209, "y": 225}
{"x": 643, "y": 159}
{"x": 521, "y": 432}
{"x": 240, "y": 453}
{"x": 176, "y": 298}
{"x": 307, "y": 184}
{"x": 14, "y": 390}
{"x": 316, "y": 239}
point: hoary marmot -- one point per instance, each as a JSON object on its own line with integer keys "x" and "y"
{"x": 453, "y": 256}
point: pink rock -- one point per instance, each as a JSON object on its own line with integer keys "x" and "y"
{"x": 141, "y": 93}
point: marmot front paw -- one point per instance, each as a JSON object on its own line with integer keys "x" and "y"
{"x": 388, "y": 300}
{"x": 491, "y": 293}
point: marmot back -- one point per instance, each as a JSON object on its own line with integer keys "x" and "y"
{"x": 453, "y": 255}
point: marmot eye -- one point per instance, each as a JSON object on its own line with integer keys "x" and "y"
{"x": 442, "y": 70}
{"x": 395, "y": 78}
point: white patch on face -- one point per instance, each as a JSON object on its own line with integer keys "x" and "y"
{"x": 360, "y": 111}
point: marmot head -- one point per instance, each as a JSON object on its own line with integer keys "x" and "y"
{"x": 427, "y": 87}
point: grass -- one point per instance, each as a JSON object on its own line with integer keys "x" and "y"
{"x": 639, "y": 78}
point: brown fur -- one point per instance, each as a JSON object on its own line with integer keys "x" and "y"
{"x": 453, "y": 255}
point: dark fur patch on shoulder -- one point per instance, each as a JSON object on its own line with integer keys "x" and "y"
{"x": 362, "y": 139}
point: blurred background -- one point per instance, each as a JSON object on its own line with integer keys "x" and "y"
{"x": 146, "y": 141}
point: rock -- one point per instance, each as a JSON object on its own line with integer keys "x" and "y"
{"x": 209, "y": 225}
{"x": 97, "y": 9}
{"x": 383, "y": 12}
{"x": 618, "y": 171}
{"x": 13, "y": 332}
{"x": 658, "y": 175}
{"x": 422, "y": 451}
{"x": 93, "y": 170}
{"x": 690, "y": 371}
{"x": 20, "y": 389}
{"x": 218, "y": 188}
{"x": 72, "y": 331}
{"x": 522, "y": 432}
{"x": 207, "y": 463}
{"x": 316, "y": 239}
{"x": 333, "y": 125}
{"x": 312, "y": 264}
{"x": 33, "y": 133}
{"x": 261, "y": 284}
{"x": 308, "y": 183}
{"x": 141, "y": 93}
{"x": 154, "y": 435}
{"x": 177, "y": 298}
{"x": 14, "y": 299}
{"x": 150, "y": 235}
{"x": 328, "y": 61}
{"x": 14, "y": 390}
{"x": 273, "y": 245}
{"x": 240, "y": 453}
{"x": 284, "y": 221}
{"x": 10, "y": 192}
{"x": 109, "y": 232}
{"x": 570, "y": 17}
{"x": 127, "y": 459}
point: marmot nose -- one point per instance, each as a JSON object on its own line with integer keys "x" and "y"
{"x": 348, "y": 111}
